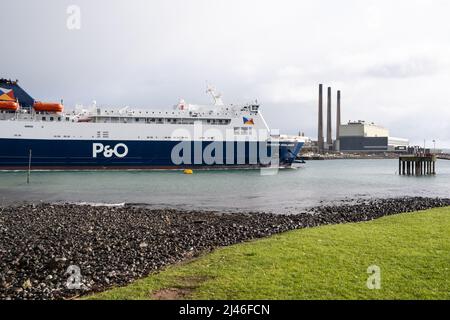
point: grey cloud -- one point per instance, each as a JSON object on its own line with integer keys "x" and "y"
{"x": 151, "y": 53}
{"x": 404, "y": 69}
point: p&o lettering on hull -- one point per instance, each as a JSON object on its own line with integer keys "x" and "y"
{"x": 120, "y": 150}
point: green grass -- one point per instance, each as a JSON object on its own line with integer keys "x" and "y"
{"x": 329, "y": 262}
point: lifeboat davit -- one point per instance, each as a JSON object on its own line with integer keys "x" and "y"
{"x": 9, "y": 105}
{"x": 48, "y": 106}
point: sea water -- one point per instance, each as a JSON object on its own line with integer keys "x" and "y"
{"x": 288, "y": 191}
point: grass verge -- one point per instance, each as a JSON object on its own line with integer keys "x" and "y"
{"x": 329, "y": 262}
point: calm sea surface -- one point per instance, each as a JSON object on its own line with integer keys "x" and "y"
{"x": 289, "y": 191}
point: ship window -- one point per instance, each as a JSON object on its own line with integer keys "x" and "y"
{"x": 243, "y": 130}
{"x": 44, "y": 119}
{"x": 137, "y": 119}
{"x": 187, "y": 121}
{"x": 51, "y": 118}
{"x": 67, "y": 118}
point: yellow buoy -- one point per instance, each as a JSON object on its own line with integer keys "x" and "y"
{"x": 188, "y": 171}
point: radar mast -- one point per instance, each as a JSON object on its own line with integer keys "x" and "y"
{"x": 217, "y": 96}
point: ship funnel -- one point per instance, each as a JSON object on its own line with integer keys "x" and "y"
{"x": 11, "y": 91}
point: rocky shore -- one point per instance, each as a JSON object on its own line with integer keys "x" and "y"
{"x": 63, "y": 251}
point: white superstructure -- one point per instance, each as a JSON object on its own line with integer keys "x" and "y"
{"x": 183, "y": 122}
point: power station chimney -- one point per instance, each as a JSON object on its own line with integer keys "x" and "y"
{"x": 329, "y": 138}
{"x": 338, "y": 114}
{"x": 320, "y": 125}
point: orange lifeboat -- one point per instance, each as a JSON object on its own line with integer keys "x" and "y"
{"x": 9, "y": 105}
{"x": 48, "y": 106}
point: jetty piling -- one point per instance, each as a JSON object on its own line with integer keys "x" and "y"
{"x": 417, "y": 165}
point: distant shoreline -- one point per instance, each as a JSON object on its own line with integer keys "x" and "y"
{"x": 359, "y": 157}
{"x": 347, "y": 157}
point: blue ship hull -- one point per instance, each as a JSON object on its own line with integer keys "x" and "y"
{"x": 78, "y": 154}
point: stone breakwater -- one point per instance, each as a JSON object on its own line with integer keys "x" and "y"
{"x": 114, "y": 246}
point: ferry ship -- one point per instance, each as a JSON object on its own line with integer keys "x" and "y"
{"x": 42, "y": 135}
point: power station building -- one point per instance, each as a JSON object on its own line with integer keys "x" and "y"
{"x": 355, "y": 136}
{"x": 361, "y": 136}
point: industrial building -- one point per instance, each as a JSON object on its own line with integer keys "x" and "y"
{"x": 355, "y": 136}
{"x": 398, "y": 144}
{"x": 360, "y": 136}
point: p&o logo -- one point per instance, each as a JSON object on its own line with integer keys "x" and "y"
{"x": 120, "y": 150}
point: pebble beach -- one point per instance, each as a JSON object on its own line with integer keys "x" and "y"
{"x": 112, "y": 246}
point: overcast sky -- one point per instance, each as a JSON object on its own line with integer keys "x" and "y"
{"x": 391, "y": 59}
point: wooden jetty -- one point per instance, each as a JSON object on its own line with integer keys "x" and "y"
{"x": 417, "y": 165}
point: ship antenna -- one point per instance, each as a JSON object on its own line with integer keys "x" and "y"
{"x": 217, "y": 96}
